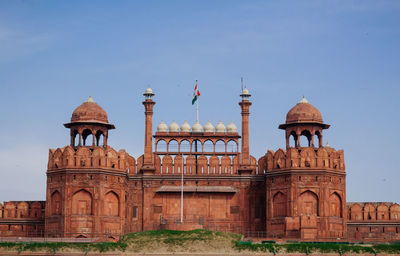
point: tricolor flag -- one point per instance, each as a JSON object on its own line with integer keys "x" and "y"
{"x": 196, "y": 94}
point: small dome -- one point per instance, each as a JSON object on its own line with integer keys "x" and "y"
{"x": 245, "y": 91}
{"x": 162, "y": 127}
{"x": 89, "y": 111}
{"x": 149, "y": 91}
{"x": 185, "y": 127}
{"x": 208, "y": 127}
{"x": 231, "y": 128}
{"x": 303, "y": 112}
{"x": 173, "y": 127}
{"x": 220, "y": 128}
{"x": 197, "y": 127}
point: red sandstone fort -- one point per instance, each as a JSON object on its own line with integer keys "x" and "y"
{"x": 293, "y": 193}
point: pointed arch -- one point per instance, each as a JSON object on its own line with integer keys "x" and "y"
{"x": 111, "y": 204}
{"x": 55, "y": 203}
{"x": 280, "y": 159}
{"x": 279, "y": 204}
{"x": 335, "y": 205}
{"x": 308, "y": 203}
{"x": 356, "y": 212}
{"x": 82, "y": 202}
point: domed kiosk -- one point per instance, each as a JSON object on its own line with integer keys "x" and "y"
{"x": 89, "y": 119}
{"x": 304, "y": 120}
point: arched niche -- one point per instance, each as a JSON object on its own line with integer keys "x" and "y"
{"x": 279, "y": 205}
{"x": 55, "y": 203}
{"x": 308, "y": 204}
{"x": 111, "y": 204}
{"x": 335, "y": 205}
{"x": 82, "y": 203}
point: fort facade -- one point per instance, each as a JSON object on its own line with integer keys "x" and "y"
{"x": 199, "y": 177}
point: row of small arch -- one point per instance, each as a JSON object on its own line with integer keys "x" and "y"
{"x": 369, "y": 212}
{"x": 21, "y": 210}
{"x": 197, "y": 127}
{"x": 82, "y": 203}
{"x": 202, "y": 146}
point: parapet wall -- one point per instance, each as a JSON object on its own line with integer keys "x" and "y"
{"x": 22, "y": 218}
{"x": 308, "y": 157}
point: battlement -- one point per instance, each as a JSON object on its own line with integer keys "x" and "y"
{"x": 87, "y": 157}
{"x": 206, "y": 164}
{"x": 22, "y": 210}
{"x": 303, "y": 158}
{"x": 373, "y": 211}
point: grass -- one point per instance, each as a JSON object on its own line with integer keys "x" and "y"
{"x": 200, "y": 241}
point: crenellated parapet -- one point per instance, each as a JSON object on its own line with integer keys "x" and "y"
{"x": 302, "y": 158}
{"x": 88, "y": 157}
{"x": 373, "y": 211}
{"x": 22, "y": 210}
{"x": 203, "y": 165}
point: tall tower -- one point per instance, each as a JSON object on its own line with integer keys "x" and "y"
{"x": 86, "y": 180}
{"x": 306, "y": 184}
{"x": 148, "y": 163}
{"x": 245, "y": 166}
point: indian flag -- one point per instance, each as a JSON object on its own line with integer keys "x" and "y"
{"x": 196, "y": 94}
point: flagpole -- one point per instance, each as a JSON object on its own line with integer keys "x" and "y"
{"x": 197, "y": 103}
{"x": 182, "y": 191}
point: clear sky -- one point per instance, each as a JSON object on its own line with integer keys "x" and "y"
{"x": 343, "y": 56}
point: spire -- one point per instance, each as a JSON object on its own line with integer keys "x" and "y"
{"x": 304, "y": 100}
{"x": 90, "y": 99}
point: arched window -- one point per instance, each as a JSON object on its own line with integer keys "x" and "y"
{"x": 317, "y": 140}
{"x": 231, "y": 146}
{"x": 75, "y": 136}
{"x": 99, "y": 138}
{"x": 87, "y": 137}
{"x": 208, "y": 146}
{"x": 172, "y": 146}
{"x": 305, "y": 139}
{"x": 196, "y": 146}
{"x": 292, "y": 139}
{"x": 161, "y": 146}
{"x": 185, "y": 146}
{"x": 220, "y": 146}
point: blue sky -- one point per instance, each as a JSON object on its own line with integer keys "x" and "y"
{"x": 343, "y": 56}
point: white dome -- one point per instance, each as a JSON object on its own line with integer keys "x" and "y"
{"x": 231, "y": 128}
{"x": 185, "y": 127}
{"x": 149, "y": 91}
{"x": 162, "y": 127}
{"x": 220, "y": 128}
{"x": 173, "y": 127}
{"x": 208, "y": 127}
{"x": 197, "y": 127}
{"x": 245, "y": 91}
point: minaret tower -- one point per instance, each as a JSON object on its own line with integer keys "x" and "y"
{"x": 245, "y": 104}
{"x": 148, "y": 164}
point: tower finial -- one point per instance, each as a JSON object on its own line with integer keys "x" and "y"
{"x": 90, "y": 99}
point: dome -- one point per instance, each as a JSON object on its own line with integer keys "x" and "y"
{"x": 89, "y": 111}
{"x": 220, "y": 128}
{"x": 304, "y": 112}
{"x": 173, "y": 127}
{"x": 149, "y": 91}
{"x": 162, "y": 127}
{"x": 185, "y": 127}
{"x": 208, "y": 127}
{"x": 231, "y": 128}
{"x": 197, "y": 127}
